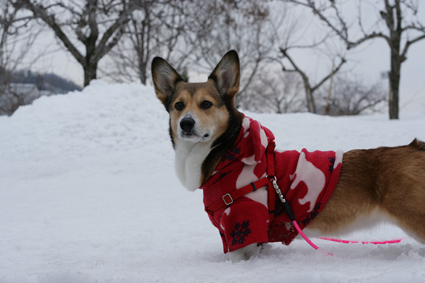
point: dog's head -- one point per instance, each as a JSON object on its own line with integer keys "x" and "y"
{"x": 199, "y": 112}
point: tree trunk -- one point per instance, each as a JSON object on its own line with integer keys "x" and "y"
{"x": 394, "y": 76}
{"x": 309, "y": 95}
{"x": 393, "y": 103}
{"x": 142, "y": 71}
{"x": 90, "y": 73}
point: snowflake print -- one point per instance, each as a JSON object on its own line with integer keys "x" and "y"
{"x": 331, "y": 166}
{"x": 240, "y": 232}
{"x": 231, "y": 154}
{"x": 222, "y": 175}
{"x": 311, "y": 216}
{"x": 306, "y": 221}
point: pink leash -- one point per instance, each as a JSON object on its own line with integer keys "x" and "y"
{"x": 288, "y": 211}
{"x": 363, "y": 242}
{"x": 290, "y": 214}
{"x": 307, "y": 239}
{"x": 342, "y": 241}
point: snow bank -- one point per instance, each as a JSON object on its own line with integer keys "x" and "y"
{"x": 89, "y": 194}
{"x": 102, "y": 117}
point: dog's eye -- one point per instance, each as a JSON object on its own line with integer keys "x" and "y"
{"x": 206, "y": 104}
{"x": 179, "y": 106}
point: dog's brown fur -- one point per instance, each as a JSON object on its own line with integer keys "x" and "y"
{"x": 386, "y": 183}
{"x": 386, "y": 180}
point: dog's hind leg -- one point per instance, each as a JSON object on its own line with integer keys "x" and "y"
{"x": 409, "y": 215}
{"x": 405, "y": 197}
{"x": 412, "y": 223}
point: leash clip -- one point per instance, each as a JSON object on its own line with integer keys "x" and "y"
{"x": 286, "y": 206}
{"x": 277, "y": 189}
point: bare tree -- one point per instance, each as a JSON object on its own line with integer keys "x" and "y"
{"x": 397, "y": 24}
{"x": 353, "y": 96}
{"x": 96, "y": 25}
{"x": 218, "y": 26}
{"x": 308, "y": 87}
{"x": 17, "y": 35}
{"x": 275, "y": 91}
{"x": 156, "y": 29}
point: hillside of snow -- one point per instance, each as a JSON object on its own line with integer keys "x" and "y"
{"x": 89, "y": 194}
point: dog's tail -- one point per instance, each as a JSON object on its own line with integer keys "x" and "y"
{"x": 418, "y": 144}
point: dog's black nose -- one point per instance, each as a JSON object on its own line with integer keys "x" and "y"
{"x": 186, "y": 124}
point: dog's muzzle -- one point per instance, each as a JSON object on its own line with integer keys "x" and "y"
{"x": 187, "y": 124}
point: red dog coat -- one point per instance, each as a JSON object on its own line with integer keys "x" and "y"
{"x": 307, "y": 180}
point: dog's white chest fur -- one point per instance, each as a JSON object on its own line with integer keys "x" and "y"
{"x": 189, "y": 159}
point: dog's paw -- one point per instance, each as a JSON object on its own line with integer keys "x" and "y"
{"x": 243, "y": 254}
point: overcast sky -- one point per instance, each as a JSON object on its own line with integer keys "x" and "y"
{"x": 368, "y": 61}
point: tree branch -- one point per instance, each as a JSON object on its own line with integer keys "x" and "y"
{"x": 120, "y": 23}
{"x": 407, "y": 45}
{"x": 296, "y": 68}
{"x": 343, "y": 33}
{"x": 328, "y": 76}
{"x": 40, "y": 12}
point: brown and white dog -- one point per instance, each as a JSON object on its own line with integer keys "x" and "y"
{"x": 382, "y": 184}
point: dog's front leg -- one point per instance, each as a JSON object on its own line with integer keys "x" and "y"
{"x": 244, "y": 253}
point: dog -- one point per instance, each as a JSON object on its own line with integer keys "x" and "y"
{"x": 232, "y": 159}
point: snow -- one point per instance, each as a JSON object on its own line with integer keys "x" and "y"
{"x": 89, "y": 194}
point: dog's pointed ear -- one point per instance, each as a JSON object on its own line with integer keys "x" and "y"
{"x": 165, "y": 79}
{"x": 227, "y": 74}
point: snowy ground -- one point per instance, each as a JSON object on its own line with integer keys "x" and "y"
{"x": 89, "y": 194}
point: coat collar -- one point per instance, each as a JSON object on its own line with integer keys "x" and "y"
{"x": 250, "y": 145}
